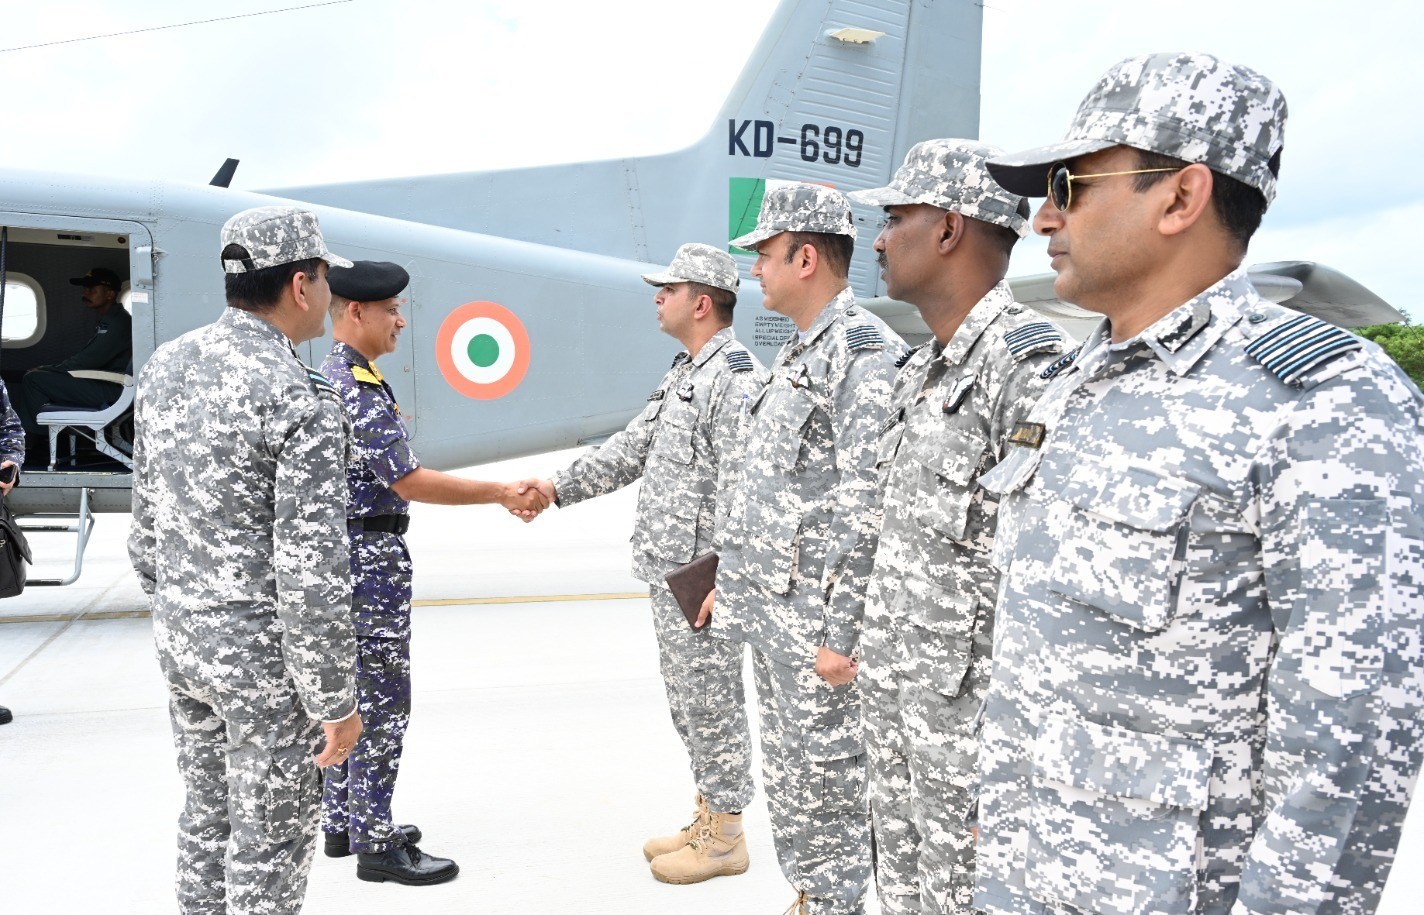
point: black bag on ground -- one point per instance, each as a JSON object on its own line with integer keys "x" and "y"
{"x": 14, "y": 554}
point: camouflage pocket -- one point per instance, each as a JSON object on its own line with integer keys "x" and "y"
{"x": 789, "y": 413}
{"x": 670, "y": 530}
{"x": 938, "y": 634}
{"x": 673, "y": 440}
{"x": 273, "y": 796}
{"x": 770, "y": 556}
{"x": 843, "y": 783}
{"x": 946, "y": 486}
{"x": 1123, "y": 551}
{"x": 1115, "y": 819}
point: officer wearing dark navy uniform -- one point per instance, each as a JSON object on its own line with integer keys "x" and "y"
{"x": 383, "y": 477}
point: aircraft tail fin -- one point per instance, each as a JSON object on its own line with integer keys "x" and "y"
{"x": 835, "y": 92}
{"x": 838, "y": 90}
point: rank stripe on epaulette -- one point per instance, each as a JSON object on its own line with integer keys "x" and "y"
{"x": 1059, "y": 364}
{"x": 864, "y": 335}
{"x": 1025, "y": 338}
{"x": 740, "y": 360}
{"x": 1299, "y": 345}
{"x": 321, "y": 381}
{"x": 909, "y": 354}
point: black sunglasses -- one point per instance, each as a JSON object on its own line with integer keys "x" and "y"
{"x": 1060, "y": 181}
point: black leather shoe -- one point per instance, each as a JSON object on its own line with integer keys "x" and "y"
{"x": 339, "y": 845}
{"x": 5, "y": 716}
{"x": 404, "y": 864}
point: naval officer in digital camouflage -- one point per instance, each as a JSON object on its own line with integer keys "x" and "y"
{"x": 687, "y": 446}
{"x": 929, "y": 621}
{"x": 239, "y": 540}
{"x": 800, "y": 539}
{"x": 383, "y": 476}
{"x": 1207, "y": 677}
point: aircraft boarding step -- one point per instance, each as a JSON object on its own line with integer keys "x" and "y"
{"x": 80, "y": 524}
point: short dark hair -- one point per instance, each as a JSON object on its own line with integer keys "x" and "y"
{"x": 835, "y": 250}
{"x": 1238, "y": 205}
{"x": 723, "y": 300}
{"x": 1003, "y": 235}
{"x": 261, "y": 290}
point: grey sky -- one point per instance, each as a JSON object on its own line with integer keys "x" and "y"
{"x": 377, "y": 88}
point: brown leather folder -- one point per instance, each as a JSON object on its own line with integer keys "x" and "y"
{"x": 690, "y": 583}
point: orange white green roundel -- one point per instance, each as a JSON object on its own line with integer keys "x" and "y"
{"x": 482, "y": 350}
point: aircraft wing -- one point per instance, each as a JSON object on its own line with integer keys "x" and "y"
{"x": 1308, "y": 287}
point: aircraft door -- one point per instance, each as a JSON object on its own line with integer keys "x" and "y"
{"x": 47, "y": 252}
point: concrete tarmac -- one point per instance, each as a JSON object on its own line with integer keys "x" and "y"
{"x": 540, "y": 755}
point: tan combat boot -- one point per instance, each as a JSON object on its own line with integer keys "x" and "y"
{"x": 665, "y": 844}
{"x": 716, "y": 848}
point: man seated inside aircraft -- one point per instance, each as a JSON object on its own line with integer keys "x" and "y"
{"x": 92, "y": 377}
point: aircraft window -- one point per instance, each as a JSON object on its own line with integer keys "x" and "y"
{"x": 24, "y": 310}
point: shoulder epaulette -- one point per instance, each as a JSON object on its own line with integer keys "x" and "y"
{"x": 1299, "y": 345}
{"x": 364, "y": 375}
{"x": 321, "y": 383}
{"x": 739, "y": 359}
{"x": 864, "y": 336}
{"x": 1059, "y": 364}
{"x": 679, "y": 359}
{"x": 909, "y": 354}
{"x": 1032, "y": 338}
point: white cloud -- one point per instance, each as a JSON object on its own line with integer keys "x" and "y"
{"x": 373, "y": 89}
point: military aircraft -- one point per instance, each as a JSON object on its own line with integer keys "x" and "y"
{"x": 515, "y": 307}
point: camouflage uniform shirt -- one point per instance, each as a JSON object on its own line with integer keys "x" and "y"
{"x": 802, "y": 528}
{"x": 1207, "y": 676}
{"x": 12, "y": 434}
{"x": 239, "y": 522}
{"x": 953, "y": 407}
{"x": 685, "y": 445}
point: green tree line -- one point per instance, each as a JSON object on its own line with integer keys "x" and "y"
{"x": 1403, "y": 342}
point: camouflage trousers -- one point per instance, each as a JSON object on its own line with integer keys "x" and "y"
{"x": 813, "y": 767}
{"x": 892, "y": 818}
{"x": 247, "y": 832}
{"x": 703, "y": 678}
{"x": 942, "y": 751}
{"x": 357, "y": 798}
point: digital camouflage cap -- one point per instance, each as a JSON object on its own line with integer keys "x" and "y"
{"x": 800, "y": 208}
{"x": 951, "y": 175}
{"x": 1190, "y": 106}
{"x": 698, "y": 263}
{"x": 272, "y": 236}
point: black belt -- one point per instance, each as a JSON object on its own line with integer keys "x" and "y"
{"x": 384, "y": 524}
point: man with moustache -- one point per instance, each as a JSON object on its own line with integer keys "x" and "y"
{"x": 383, "y": 477}
{"x": 686, "y": 446}
{"x": 800, "y": 540}
{"x": 1208, "y": 677}
{"x": 239, "y": 514}
{"x": 929, "y": 622}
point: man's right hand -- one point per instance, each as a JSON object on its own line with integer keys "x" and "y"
{"x": 340, "y": 738}
{"x": 524, "y": 500}
{"x": 534, "y": 488}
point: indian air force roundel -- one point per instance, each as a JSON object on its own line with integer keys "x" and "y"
{"x": 482, "y": 350}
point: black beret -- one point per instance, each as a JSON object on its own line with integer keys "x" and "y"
{"x": 368, "y": 281}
